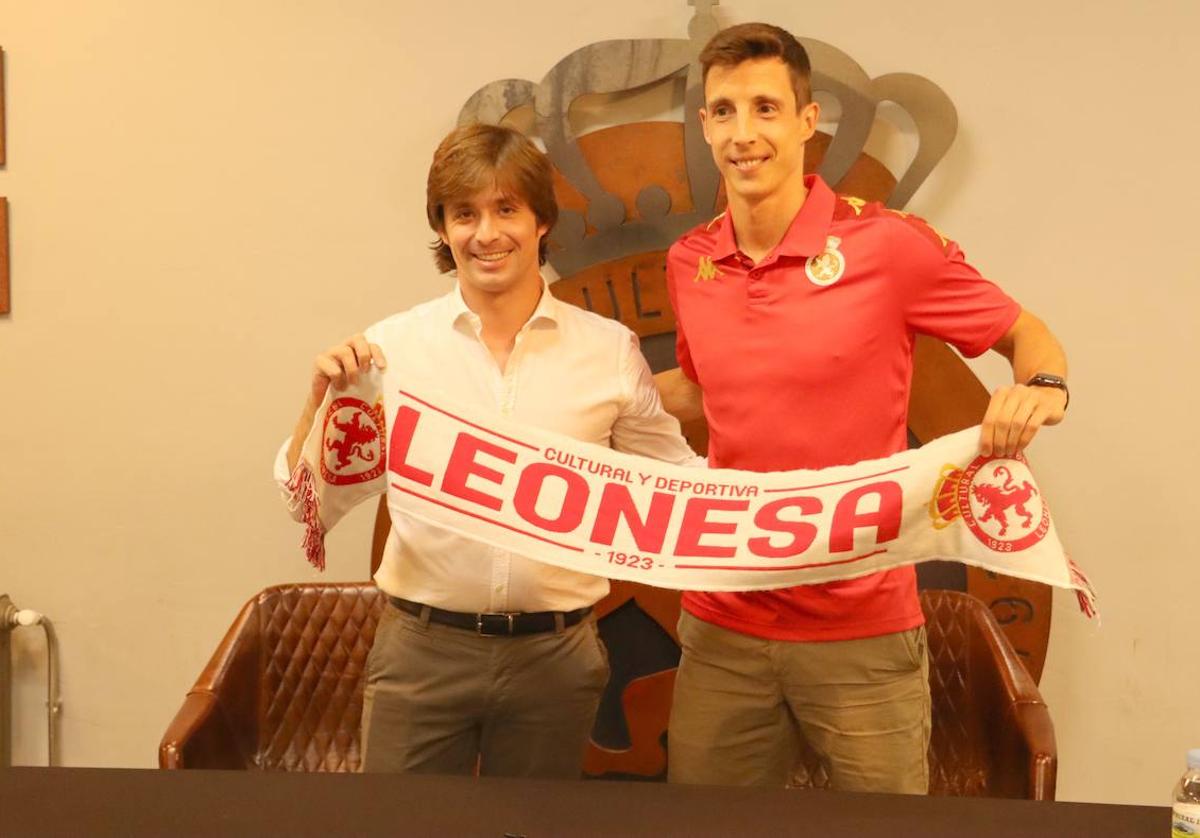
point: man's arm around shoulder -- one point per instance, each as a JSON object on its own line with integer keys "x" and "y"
{"x": 681, "y": 397}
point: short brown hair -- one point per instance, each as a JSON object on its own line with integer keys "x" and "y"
{"x": 749, "y": 41}
{"x": 476, "y": 156}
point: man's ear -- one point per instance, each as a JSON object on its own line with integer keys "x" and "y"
{"x": 810, "y": 115}
{"x": 704, "y": 125}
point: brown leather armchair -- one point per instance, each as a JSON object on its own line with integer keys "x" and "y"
{"x": 284, "y": 689}
{"x": 284, "y": 692}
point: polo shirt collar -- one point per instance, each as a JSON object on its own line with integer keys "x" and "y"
{"x": 810, "y": 228}
{"x": 808, "y": 231}
{"x": 726, "y": 243}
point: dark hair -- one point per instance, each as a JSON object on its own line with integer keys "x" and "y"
{"x": 748, "y": 41}
{"x": 474, "y": 157}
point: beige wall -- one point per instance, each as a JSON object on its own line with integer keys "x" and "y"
{"x": 205, "y": 194}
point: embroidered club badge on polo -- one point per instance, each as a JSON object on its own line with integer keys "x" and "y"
{"x": 996, "y": 500}
{"x": 826, "y": 267}
{"x": 354, "y": 438}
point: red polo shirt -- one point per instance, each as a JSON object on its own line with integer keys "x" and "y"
{"x": 805, "y": 361}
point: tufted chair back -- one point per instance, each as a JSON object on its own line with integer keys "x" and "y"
{"x": 284, "y": 689}
{"x": 284, "y": 692}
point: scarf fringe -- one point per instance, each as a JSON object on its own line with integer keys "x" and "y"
{"x": 303, "y": 487}
{"x": 1083, "y": 589}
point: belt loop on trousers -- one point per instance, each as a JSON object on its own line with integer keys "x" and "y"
{"x": 560, "y": 622}
{"x": 426, "y": 611}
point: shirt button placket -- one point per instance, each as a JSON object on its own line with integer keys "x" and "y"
{"x": 498, "y": 595}
{"x": 501, "y": 560}
{"x": 755, "y": 286}
{"x": 508, "y": 388}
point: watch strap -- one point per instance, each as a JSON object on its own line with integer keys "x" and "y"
{"x": 1045, "y": 379}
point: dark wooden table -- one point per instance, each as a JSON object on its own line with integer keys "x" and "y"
{"x": 101, "y": 801}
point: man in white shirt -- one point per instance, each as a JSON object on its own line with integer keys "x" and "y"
{"x": 485, "y": 657}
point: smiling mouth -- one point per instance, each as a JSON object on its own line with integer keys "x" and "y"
{"x": 747, "y": 164}
{"x": 492, "y": 257}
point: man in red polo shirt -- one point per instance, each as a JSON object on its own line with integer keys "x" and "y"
{"x": 797, "y": 310}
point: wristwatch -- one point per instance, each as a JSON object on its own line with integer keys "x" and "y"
{"x": 1045, "y": 379}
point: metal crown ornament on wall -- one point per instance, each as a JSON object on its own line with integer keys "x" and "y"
{"x": 625, "y": 193}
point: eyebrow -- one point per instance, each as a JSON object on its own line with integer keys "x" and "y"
{"x": 500, "y": 200}
{"x": 757, "y": 100}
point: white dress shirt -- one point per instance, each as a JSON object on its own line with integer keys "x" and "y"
{"x": 570, "y": 371}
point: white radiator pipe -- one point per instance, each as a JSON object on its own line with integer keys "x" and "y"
{"x": 10, "y": 618}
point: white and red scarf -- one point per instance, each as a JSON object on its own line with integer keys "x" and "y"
{"x": 591, "y": 509}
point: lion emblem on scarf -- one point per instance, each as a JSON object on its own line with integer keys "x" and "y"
{"x": 354, "y": 441}
{"x": 999, "y": 499}
{"x": 354, "y": 436}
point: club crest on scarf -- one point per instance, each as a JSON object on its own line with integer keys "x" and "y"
{"x": 997, "y": 500}
{"x": 353, "y": 441}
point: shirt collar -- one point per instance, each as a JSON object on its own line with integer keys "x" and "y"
{"x": 808, "y": 231}
{"x": 547, "y": 309}
{"x": 810, "y": 228}
{"x": 726, "y": 243}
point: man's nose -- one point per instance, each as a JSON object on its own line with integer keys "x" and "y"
{"x": 486, "y": 230}
{"x": 743, "y": 128}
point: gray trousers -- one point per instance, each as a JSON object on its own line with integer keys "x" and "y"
{"x": 445, "y": 700}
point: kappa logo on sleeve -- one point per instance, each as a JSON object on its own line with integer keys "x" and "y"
{"x": 997, "y": 500}
{"x": 353, "y": 442}
{"x": 924, "y": 227}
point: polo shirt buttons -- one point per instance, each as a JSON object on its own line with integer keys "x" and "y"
{"x": 757, "y": 288}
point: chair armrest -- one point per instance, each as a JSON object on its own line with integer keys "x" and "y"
{"x": 218, "y": 724}
{"x": 1041, "y": 752}
{"x": 200, "y": 737}
{"x": 1024, "y": 762}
